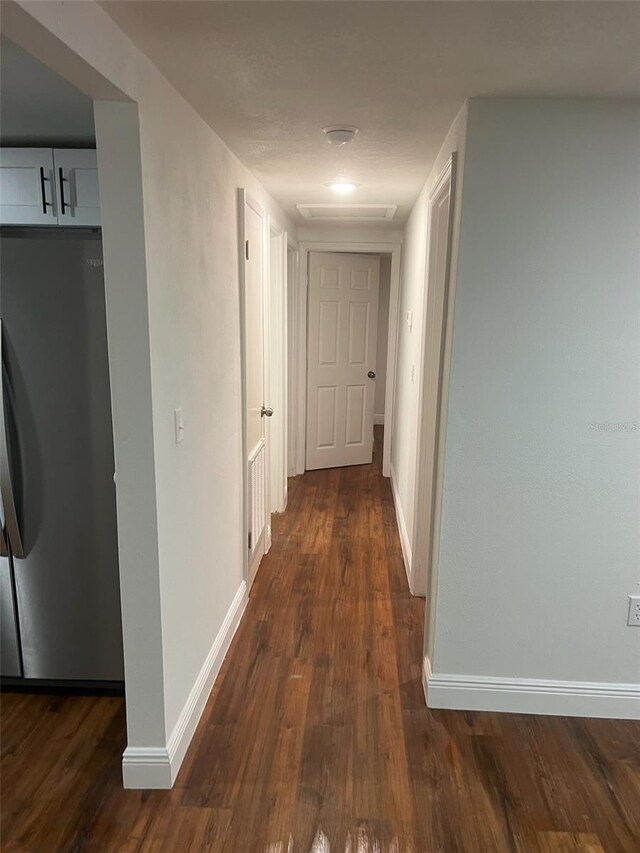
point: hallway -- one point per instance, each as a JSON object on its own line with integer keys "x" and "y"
{"x": 316, "y": 736}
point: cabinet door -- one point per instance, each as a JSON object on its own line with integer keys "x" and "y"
{"x": 27, "y": 187}
{"x": 77, "y": 186}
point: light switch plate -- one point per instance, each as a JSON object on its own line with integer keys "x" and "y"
{"x": 179, "y": 424}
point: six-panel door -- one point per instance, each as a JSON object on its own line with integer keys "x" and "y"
{"x": 343, "y": 322}
{"x": 254, "y": 343}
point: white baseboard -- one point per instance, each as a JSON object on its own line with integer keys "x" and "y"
{"x": 531, "y": 695}
{"x": 379, "y": 420}
{"x": 405, "y": 541}
{"x": 157, "y": 767}
{"x": 146, "y": 767}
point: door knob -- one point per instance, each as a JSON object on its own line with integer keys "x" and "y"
{"x": 266, "y": 411}
{"x": 371, "y": 374}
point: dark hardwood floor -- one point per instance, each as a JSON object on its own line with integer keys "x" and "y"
{"x": 316, "y": 737}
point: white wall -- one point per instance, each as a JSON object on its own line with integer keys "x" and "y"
{"x": 39, "y": 108}
{"x": 189, "y": 182}
{"x": 348, "y": 233}
{"x": 540, "y": 534}
{"x": 383, "y": 337}
{"x": 404, "y": 447}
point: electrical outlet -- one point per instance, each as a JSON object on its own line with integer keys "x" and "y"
{"x": 633, "y": 618}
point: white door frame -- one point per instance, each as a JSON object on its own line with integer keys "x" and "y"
{"x": 300, "y": 354}
{"x": 428, "y": 489}
{"x": 245, "y": 198}
{"x": 293, "y": 364}
{"x": 276, "y": 308}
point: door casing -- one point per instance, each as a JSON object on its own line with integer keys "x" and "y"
{"x": 276, "y": 310}
{"x": 292, "y": 362}
{"x": 349, "y": 371}
{"x": 300, "y": 354}
{"x": 436, "y": 341}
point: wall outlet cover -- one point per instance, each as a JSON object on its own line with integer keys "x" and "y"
{"x": 633, "y": 617}
{"x": 179, "y": 424}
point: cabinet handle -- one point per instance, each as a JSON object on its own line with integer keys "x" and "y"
{"x": 63, "y": 203}
{"x": 45, "y": 203}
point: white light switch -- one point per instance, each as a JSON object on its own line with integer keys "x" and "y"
{"x": 179, "y": 425}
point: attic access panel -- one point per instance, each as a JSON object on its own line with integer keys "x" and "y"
{"x": 351, "y": 212}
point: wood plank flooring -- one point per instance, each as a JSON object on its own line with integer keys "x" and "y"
{"x": 316, "y": 737}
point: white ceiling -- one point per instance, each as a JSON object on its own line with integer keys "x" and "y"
{"x": 37, "y": 107}
{"x": 267, "y": 76}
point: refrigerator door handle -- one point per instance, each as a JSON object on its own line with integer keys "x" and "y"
{"x": 4, "y": 551}
{"x": 6, "y": 487}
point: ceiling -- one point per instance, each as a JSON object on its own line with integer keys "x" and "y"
{"x": 39, "y": 108}
{"x": 268, "y": 76}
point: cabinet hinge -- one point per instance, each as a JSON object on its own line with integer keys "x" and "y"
{"x": 249, "y": 542}
{"x": 246, "y": 249}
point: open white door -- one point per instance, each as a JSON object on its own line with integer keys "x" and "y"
{"x": 430, "y": 406}
{"x": 343, "y": 322}
{"x": 255, "y": 407}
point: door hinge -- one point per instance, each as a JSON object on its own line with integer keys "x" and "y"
{"x": 246, "y": 250}
{"x": 249, "y": 542}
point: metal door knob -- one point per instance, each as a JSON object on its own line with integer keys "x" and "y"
{"x": 371, "y": 374}
{"x": 266, "y": 411}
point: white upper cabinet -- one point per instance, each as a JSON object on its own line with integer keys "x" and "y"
{"x": 45, "y": 186}
{"x": 27, "y": 187}
{"x": 77, "y": 184}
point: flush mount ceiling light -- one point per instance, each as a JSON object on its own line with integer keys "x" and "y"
{"x": 342, "y": 187}
{"x": 339, "y": 134}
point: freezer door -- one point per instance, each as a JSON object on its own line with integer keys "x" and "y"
{"x": 61, "y": 446}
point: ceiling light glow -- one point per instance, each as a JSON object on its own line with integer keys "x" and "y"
{"x": 342, "y": 187}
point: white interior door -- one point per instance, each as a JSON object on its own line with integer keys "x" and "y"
{"x": 343, "y": 322}
{"x": 254, "y": 344}
{"x": 437, "y": 294}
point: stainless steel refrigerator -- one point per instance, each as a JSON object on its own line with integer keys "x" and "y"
{"x": 59, "y": 585}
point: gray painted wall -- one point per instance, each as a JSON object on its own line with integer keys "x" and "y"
{"x": 37, "y": 106}
{"x": 540, "y": 533}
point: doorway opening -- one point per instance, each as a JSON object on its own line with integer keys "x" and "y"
{"x": 109, "y": 164}
{"x": 59, "y": 576}
{"x": 342, "y": 356}
{"x": 387, "y": 258}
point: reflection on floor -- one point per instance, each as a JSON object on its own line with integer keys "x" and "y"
{"x": 316, "y": 737}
